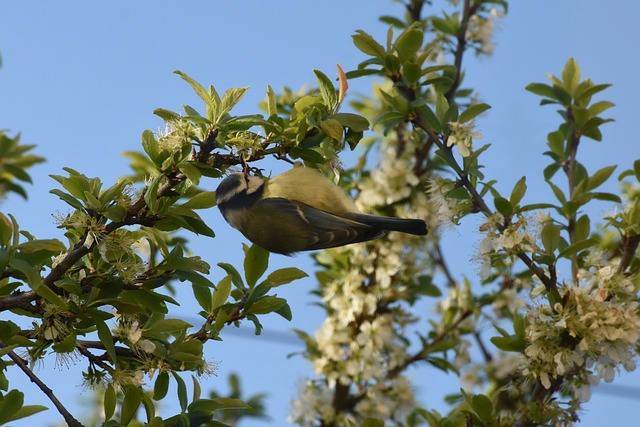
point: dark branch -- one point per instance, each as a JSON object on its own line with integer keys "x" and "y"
{"x": 69, "y": 419}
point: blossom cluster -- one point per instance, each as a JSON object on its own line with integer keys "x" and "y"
{"x": 596, "y": 328}
{"x": 360, "y": 342}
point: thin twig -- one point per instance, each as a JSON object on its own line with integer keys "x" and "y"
{"x": 20, "y": 362}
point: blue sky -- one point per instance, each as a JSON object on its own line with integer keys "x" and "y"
{"x": 81, "y": 79}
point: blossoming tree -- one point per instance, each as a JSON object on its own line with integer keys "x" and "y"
{"x": 559, "y": 292}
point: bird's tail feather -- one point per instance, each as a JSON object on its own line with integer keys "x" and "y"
{"x": 404, "y": 225}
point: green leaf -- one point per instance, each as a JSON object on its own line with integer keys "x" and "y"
{"x": 161, "y": 386}
{"x": 571, "y": 76}
{"x": 48, "y": 245}
{"x": 272, "y": 105}
{"x": 197, "y": 390}
{"x": 431, "y": 119}
{"x": 582, "y": 228}
{"x": 332, "y": 128}
{"x": 598, "y": 178}
{"x": 550, "y": 236}
{"x": 236, "y": 278}
{"x": 193, "y": 172}
{"x": 110, "y": 401}
{"x": 367, "y": 44}
{"x": 151, "y": 193}
{"x": 165, "y": 114}
{"x": 10, "y": 405}
{"x": 408, "y": 43}
{"x": 256, "y": 262}
{"x": 203, "y": 295}
{"x": 285, "y": 312}
{"x": 265, "y": 305}
{"x": 509, "y": 343}
{"x": 599, "y": 107}
{"x": 67, "y": 345}
{"x": 202, "y": 200}
{"x": 483, "y": 407}
{"x": 212, "y": 107}
{"x": 327, "y": 90}
{"x": 182, "y": 391}
{"x": 17, "y": 172}
{"x": 130, "y": 404}
{"x": 542, "y": 90}
{"x": 26, "y": 411}
{"x": 221, "y": 294}
{"x": 427, "y": 287}
{"x": 169, "y": 326}
{"x": 104, "y": 333}
{"x": 284, "y": 276}
{"x": 557, "y": 192}
{"x": 372, "y": 422}
{"x": 503, "y": 206}
{"x": 518, "y": 191}
{"x": 67, "y": 198}
{"x": 473, "y": 111}
{"x": 577, "y": 247}
{"x": 230, "y": 99}
{"x": 352, "y": 121}
{"x": 150, "y": 146}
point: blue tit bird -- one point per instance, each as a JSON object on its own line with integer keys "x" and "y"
{"x": 301, "y": 210}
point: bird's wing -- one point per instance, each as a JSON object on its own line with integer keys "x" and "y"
{"x": 325, "y": 230}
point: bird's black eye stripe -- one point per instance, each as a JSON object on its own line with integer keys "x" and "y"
{"x": 243, "y": 200}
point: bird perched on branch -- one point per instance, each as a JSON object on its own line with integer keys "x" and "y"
{"x": 301, "y": 210}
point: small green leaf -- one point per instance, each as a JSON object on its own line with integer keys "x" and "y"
{"x": 67, "y": 198}
{"x": 503, "y": 206}
{"x": 367, "y": 44}
{"x": 509, "y": 343}
{"x": 408, "y": 43}
{"x": 209, "y": 101}
{"x": 518, "y": 191}
{"x": 550, "y": 236}
{"x": 266, "y": 305}
{"x": 272, "y": 106}
{"x": 67, "y": 345}
{"x": 182, "y": 391}
{"x": 221, "y": 294}
{"x": 26, "y": 411}
{"x": 236, "y": 278}
{"x": 599, "y": 178}
{"x": 577, "y": 247}
{"x": 332, "y": 128}
{"x": 327, "y": 90}
{"x": 48, "y": 245}
{"x": 104, "y": 333}
{"x": 284, "y": 276}
{"x": 571, "y": 76}
{"x": 110, "y": 401}
{"x": 483, "y": 407}
{"x": 372, "y": 422}
{"x": 10, "y": 405}
{"x": 256, "y": 262}
{"x": 582, "y": 228}
{"x": 230, "y": 99}
{"x": 204, "y": 297}
{"x": 130, "y": 404}
{"x": 202, "y": 200}
{"x": 352, "y": 121}
{"x": 197, "y": 390}
{"x": 473, "y": 111}
{"x": 541, "y": 89}
{"x": 161, "y": 386}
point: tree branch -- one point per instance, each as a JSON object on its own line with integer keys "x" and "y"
{"x": 69, "y": 419}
